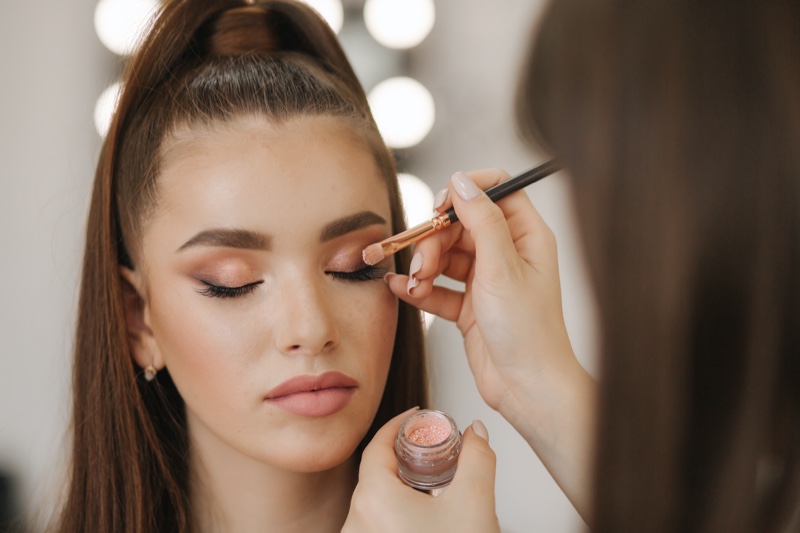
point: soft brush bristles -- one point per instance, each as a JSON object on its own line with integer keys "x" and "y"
{"x": 373, "y": 254}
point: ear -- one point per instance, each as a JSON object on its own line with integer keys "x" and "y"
{"x": 143, "y": 345}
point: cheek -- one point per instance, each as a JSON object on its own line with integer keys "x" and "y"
{"x": 205, "y": 348}
{"x": 385, "y": 317}
{"x": 374, "y": 329}
{"x": 197, "y": 344}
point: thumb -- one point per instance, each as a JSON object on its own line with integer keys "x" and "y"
{"x": 378, "y": 457}
{"x": 476, "y": 465}
{"x": 485, "y": 222}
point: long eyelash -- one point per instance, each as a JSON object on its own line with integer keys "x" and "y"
{"x": 367, "y": 273}
{"x": 219, "y": 291}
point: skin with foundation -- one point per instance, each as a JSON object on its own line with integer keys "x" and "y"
{"x": 253, "y": 294}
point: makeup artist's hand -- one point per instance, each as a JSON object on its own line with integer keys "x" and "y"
{"x": 383, "y": 503}
{"x": 511, "y": 318}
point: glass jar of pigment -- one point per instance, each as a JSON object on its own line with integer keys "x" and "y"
{"x": 427, "y": 448}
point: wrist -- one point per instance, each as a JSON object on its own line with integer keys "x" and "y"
{"x": 537, "y": 402}
{"x": 557, "y": 419}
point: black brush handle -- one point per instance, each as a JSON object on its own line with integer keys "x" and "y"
{"x": 520, "y": 181}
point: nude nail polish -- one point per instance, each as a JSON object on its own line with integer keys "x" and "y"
{"x": 464, "y": 186}
{"x": 413, "y": 283}
{"x": 440, "y": 198}
{"x": 414, "y": 267}
{"x": 480, "y": 430}
{"x": 416, "y": 264}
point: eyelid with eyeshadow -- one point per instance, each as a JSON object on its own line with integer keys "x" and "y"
{"x": 368, "y": 273}
{"x": 221, "y": 291}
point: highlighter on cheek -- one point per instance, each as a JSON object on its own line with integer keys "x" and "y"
{"x": 427, "y": 448}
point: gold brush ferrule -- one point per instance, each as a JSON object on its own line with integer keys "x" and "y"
{"x": 418, "y": 232}
{"x": 440, "y": 221}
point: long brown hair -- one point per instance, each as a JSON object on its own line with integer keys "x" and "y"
{"x": 202, "y": 61}
{"x": 679, "y": 121}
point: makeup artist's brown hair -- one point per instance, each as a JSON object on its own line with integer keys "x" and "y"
{"x": 203, "y": 62}
{"x": 679, "y": 122}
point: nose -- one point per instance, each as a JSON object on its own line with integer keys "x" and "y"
{"x": 305, "y": 324}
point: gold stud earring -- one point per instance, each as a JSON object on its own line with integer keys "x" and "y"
{"x": 150, "y": 372}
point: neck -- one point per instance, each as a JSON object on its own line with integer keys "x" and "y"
{"x": 233, "y": 492}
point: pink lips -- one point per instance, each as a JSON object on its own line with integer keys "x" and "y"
{"x": 314, "y": 396}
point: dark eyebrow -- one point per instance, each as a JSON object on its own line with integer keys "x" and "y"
{"x": 345, "y": 225}
{"x": 252, "y": 240}
{"x": 230, "y": 238}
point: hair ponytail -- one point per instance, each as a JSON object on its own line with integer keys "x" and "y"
{"x": 188, "y": 32}
{"x": 275, "y": 28}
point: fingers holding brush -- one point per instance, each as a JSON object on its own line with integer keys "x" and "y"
{"x": 449, "y": 252}
{"x": 440, "y": 301}
{"x": 512, "y": 228}
{"x": 510, "y": 308}
{"x": 509, "y": 313}
{"x": 452, "y": 251}
{"x": 514, "y": 287}
{"x": 433, "y": 260}
{"x": 419, "y": 290}
{"x": 509, "y": 228}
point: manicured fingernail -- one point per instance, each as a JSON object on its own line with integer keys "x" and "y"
{"x": 464, "y": 186}
{"x": 412, "y": 284}
{"x": 416, "y": 264}
{"x": 440, "y": 198}
{"x": 480, "y": 430}
{"x": 388, "y": 277}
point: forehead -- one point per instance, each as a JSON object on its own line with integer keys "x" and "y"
{"x": 251, "y": 171}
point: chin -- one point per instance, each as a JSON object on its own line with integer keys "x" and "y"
{"x": 309, "y": 445}
{"x": 318, "y": 456}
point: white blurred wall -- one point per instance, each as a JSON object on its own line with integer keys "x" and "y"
{"x": 53, "y": 69}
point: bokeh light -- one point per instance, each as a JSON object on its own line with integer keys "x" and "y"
{"x": 331, "y": 10}
{"x": 404, "y": 111}
{"x": 121, "y": 24}
{"x": 105, "y": 107}
{"x": 417, "y": 198}
{"x": 399, "y": 23}
{"x": 418, "y": 204}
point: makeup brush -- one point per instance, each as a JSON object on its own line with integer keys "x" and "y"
{"x": 375, "y": 253}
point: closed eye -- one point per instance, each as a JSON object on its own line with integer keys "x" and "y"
{"x": 221, "y": 291}
{"x": 367, "y": 273}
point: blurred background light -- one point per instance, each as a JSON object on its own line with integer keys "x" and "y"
{"x": 427, "y": 319}
{"x": 331, "y": 10}
{"x": 399, "y": 23}
{"x": 120, "y": 24}
{"x": 404, "y": 111}
{"x": 418, "y": 205}
{"x": 417, "y": 198}
{"x": 105, "y": 107}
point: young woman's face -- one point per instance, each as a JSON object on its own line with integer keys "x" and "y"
{"x": 276, "y": 334}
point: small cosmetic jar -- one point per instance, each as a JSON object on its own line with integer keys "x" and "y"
{"x": 427, "y": 448}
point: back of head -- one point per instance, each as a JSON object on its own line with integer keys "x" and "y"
{"x": 680, "y": 124}
{"x": 204, "y": 62}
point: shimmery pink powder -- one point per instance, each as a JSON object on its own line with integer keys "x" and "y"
{"x": 427, "y": 448}
{"x": 429, "y": 435}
